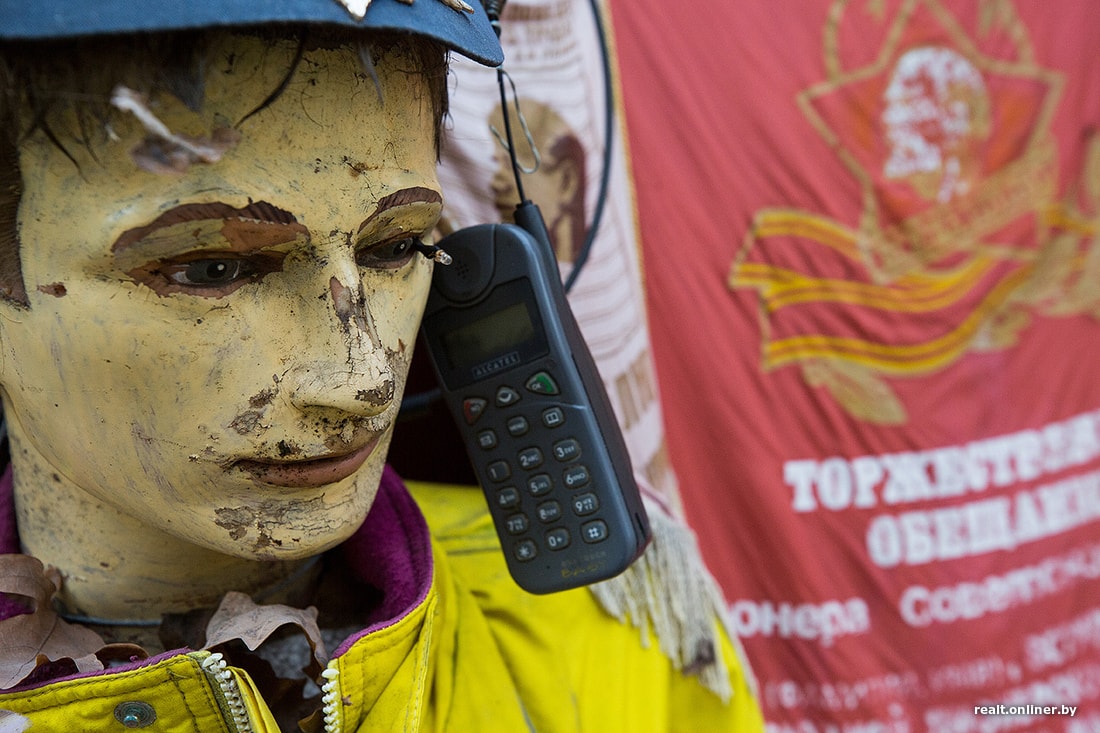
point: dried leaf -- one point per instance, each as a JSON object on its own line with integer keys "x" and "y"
{"x": 121, "y": 653}
{"x": 163, "y": 151}
{"x": 239, "y": 618}
{"x": 158, "y": 155}
{"x": 13, "y": 722}
{"x": 39, "y": 634}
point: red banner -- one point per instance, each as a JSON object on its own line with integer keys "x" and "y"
{"x": 871, "y": 237}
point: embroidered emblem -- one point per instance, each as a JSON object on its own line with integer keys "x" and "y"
{"x": 961, "y": 238}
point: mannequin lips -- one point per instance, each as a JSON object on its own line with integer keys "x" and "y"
{"x": 309, "y": 473}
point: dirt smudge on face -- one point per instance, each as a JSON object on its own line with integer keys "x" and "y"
{"x": 246, "y": 422}
{"x": 235, "y": 520}
{"x": 265, "y": 520}
{"x": 263, "y": 399}
{"x": 378, "y": 396}
{"x": 57, "y": 290}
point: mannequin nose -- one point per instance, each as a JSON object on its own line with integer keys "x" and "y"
{"x": 342, "y": 363}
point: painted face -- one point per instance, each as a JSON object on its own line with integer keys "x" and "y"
{"x": 221, "y": 352}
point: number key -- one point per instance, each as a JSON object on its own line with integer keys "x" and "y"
{"x": 558, "y": 538}
{"x": 529, "y": 458}
{"x": 498, "y": 470}
{"x": 549, "y": 511}
{"x": 517, "y": 523}
{"x": 567, "y": 450}
{"x": 540, "y": 484}
{"x": 585, "y": 504}
{"x": 575, "y": 476}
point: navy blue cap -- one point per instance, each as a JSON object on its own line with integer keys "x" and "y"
{"x": 467, "y": 33}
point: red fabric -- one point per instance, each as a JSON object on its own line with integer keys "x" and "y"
{"x": 879, "y": 383}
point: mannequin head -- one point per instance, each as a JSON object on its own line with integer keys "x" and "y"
{"x": 204, "y": 344}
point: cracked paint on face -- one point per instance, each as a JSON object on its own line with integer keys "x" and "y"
{"x": 221, "y": 353}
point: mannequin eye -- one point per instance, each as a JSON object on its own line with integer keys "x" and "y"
{"x": 210, "y": 273}
{"x": 207, "y": 274}
{"x": 390, "y": 255}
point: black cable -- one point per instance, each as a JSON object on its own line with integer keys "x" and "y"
{"x": 609, "y": 137}
{"x": 421, "y": 401}
{"x": 495, "y": 6}
{"x": 508, "y": 136}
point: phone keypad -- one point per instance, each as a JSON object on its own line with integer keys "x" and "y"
{"x": 537, "y": 518}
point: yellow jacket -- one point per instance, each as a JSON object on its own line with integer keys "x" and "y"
{"x": 470, "y": 652}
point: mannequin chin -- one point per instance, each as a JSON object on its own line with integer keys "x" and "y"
{"x": 201, "y": 388}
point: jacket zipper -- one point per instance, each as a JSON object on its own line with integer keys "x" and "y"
{"x": 330, "y": 698}
{"x": 215, "y": 667}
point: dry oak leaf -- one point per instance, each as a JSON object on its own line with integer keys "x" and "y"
{"x": 13, "y": 722}
{"x": 238, "y": 617}
{"x": 40, "y": 633}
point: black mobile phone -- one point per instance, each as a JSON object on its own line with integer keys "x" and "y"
{"x": 533, "y": 412}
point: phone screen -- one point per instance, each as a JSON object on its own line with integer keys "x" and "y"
{"x": 491, "y": 335}
{"x": 500, "y": 332}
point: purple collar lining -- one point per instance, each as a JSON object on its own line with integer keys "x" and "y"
{"x": 392, "y": 551}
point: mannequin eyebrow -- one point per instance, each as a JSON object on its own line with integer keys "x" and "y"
{"x": 256, "y": 219}
{"x": 265, "y": 225}
{"x": 404, "y": 197}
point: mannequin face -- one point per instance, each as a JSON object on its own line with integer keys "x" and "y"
{"x": 221, "y": 353}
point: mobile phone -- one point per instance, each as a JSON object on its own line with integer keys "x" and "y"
{"x": 538, "y": 427}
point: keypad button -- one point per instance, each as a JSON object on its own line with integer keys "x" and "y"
{"x": 498, "y": 470}
{"x": 540, "y": 484}
{"x": 518, "y": 426}
{"x": 487, "y": 439}
{"x": 525, "y": 550}
{"x": 585, "y": 504}
{"x": 594, "y": 531}
{"x": 529, "y": 458}
{"x": 549, "y": 511}
{"x": 506, "y": 396}
{"x": 542, "y": 383}
{"x": 508, "y": 498}
{"x": 557, "y": 539}
{"x": 472, "y": 409}
{"x": 517, "y": 524}
{"x": 567, "y": 450}
{"x": 575, "y": 476}
{"x": 553, "y": 417}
